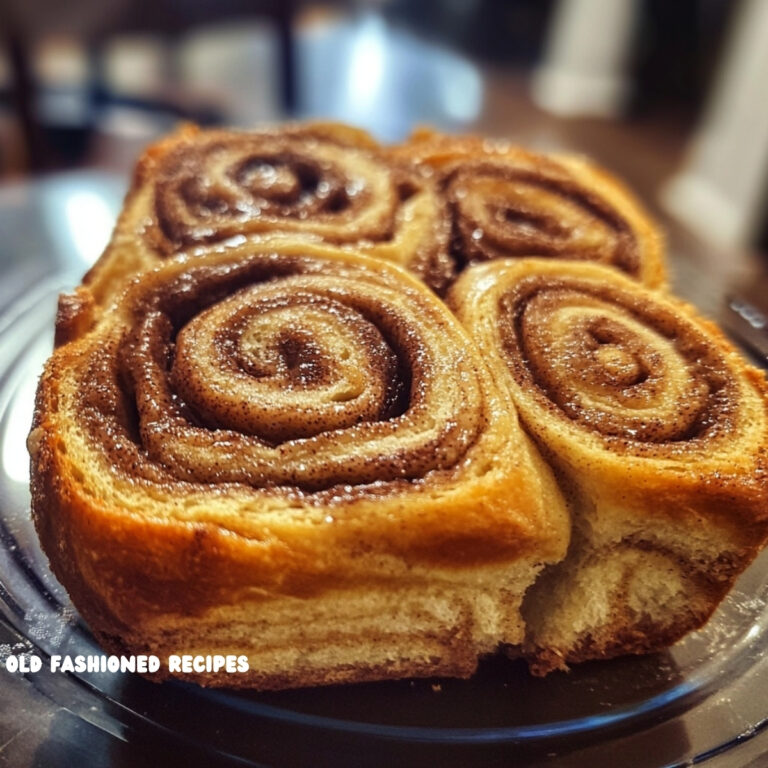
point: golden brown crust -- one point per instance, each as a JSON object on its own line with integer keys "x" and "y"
{"x": 321, "y": 181}
{"x": 505, "y": 202}
{"x": 75, "y": 315}
{"x": 659, "y": 429}
{"x": 158, "y": 498}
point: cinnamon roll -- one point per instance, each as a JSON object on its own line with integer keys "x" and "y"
{"x": 200, "y": 188}
{"x": 505, "y": 201}
{"x": 658, "y": 431}
{"x": 289, "y": 452}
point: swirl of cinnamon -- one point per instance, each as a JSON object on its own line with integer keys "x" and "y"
{"x": 614, "y": 362}
{"x": 227, "y": 184}
{"x": 657, "y": 428}
{"x": 508, "y": 202}
{"x": 282, "y": 369}
{"x": 279, "y": 418}
{"x": 197, "y": 190}
{"x": 278, "y": 434}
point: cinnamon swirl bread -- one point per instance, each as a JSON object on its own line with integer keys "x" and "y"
{"x": 263, "y": 433}
{"x": 658, "y": 431}
{"x": 294, "y": 453}
{"x": 322, "y": 181}
{"x": 507, "y": 202}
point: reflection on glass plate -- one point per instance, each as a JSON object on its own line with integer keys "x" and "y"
{"x": 697, "y": 701}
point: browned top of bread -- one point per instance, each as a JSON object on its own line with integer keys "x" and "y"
{"x": 508, "y": 202}
{"x": 317, "y": 181}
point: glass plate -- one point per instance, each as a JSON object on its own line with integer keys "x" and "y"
{"x": 705, "y": 696}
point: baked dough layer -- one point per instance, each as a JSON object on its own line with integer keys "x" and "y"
{"x": 289, "y": 431}
{"x": 657, "y": 430}
{"x": 508, "y": 202}
{"x": 262, "y": 433}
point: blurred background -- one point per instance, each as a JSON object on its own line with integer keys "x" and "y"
{"x": 671, "y": 96}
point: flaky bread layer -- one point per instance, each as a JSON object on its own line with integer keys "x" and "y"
{"x": 369, "y": 632}
{"x": 634, "y": 597}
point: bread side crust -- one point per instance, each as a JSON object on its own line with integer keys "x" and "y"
{"x": 143, "y": 587}
{"x": 678, "y": 598}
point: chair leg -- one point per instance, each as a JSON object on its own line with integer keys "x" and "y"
{"x": 24, "y": 97}
{"x": 287, "y": 56}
